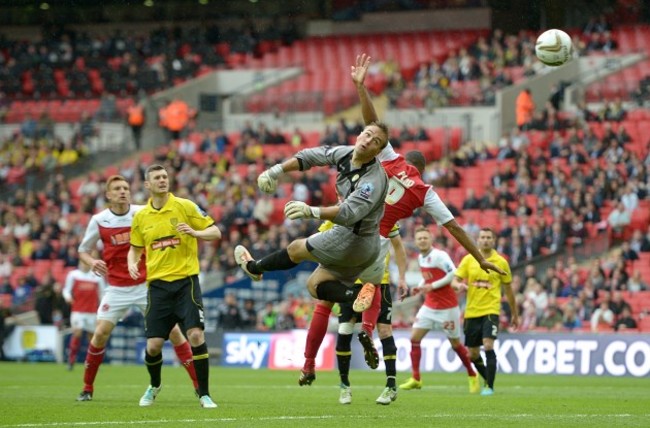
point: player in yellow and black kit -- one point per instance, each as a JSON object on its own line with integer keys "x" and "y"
{"x": 168, "y": 229}
{"x": 348, "y": 317}
{"x": 484, "y": 305}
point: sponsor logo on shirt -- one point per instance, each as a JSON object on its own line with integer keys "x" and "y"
{"x": 482, "y": 284}
{"x": 366, "y": 190}
{"x": 121, "y": 238}
{"x": 165, "y": 242}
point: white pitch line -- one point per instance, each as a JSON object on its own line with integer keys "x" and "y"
{"x": 302, "y": 418}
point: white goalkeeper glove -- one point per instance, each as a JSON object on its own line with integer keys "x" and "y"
{"x": 295, "y": 209}
{"x": 268, "y": 180}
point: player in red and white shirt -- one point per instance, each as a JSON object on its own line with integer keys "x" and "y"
{"x": 112, "y": 227}
{"x": 440, "y": 310}
{"x": 406, "y": 189}
{"x": 82, "y": 291}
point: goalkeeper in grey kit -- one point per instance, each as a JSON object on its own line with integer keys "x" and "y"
{"x": 352, "y": 245}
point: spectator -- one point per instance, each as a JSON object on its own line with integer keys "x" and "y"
{"x": 628, "y": 253}
{"x": 552, "y": 318}
{"x": 618, "y": 219}
{"x": 570, "y": 319}
{"x": 6, "y": 289}
{"x": 638, "y": 242}
{"x": 249, "y": 315}
{"x": 135, "y": 117}
{"x": 625, "y": 321}
{"x": 602, "y": 318}
{"x": 636, "y": 282}
{"x": 537, "y": 295}
{"x": 471, "y": 201}
{"x": 45, "y": 302}
{"x": 6, "y": 267}
{"x": 285, "y": 320}
{"x": 630, "y": 199}
{"x": 525, "y": 106}
{"x": 617, "y": 304}
{"x": 230, "y": 317}
{"x": 175, "y": 117}
{"x": 268, "y": 318}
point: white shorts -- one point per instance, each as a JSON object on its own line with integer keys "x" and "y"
{"x": 447, "y": 320}
{"x": 83, "y": 321}
{"x": 375, "y": 272}
{"x": 118, "y": 300}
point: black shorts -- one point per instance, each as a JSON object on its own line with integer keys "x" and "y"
{"x": 385, "y": 314}
{"x": 173, "y": 302}
{"x": 476, "y": 329}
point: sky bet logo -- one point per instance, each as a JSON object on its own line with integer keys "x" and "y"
{"x": 247, "y": 350}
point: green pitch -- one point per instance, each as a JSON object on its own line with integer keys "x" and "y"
{"x": 43, "y": 395}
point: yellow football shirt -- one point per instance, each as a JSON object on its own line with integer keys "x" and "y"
{"x": 484, "y": 289}
{"x": 327, "y": 225}
{"x": 171, "y": 255}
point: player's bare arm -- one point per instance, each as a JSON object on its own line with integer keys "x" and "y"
{"x": 468, "y": 243}
{"x": 208, "y": 234}
{"x": 133, "y": 260}
{"x": 358, "y": 73}
{"x": 459, "y": 283}
{"x": 97, "y": 266}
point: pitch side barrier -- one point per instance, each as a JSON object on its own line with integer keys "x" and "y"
{"x": 538, "y": 353}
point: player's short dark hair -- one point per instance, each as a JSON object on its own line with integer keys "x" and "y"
{"x": 417, "y": 159}
{"x": 489, "y": 229}
{"x": 384, "y": 128}
{"x": 152, "y": 168}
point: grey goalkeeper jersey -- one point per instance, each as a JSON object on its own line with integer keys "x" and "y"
{"x": 361, "y": 190}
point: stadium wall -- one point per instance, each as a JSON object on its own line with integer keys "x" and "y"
{"x": 578, "y": 73}
{"x": 400, "y": 22}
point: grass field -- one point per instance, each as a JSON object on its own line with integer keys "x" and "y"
{"x": 43, "y": 395}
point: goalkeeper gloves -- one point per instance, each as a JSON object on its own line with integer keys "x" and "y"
{"x": 295, "y": 209}
{"x": 268, "y": 180}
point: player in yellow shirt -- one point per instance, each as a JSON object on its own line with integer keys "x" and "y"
{"x": 168, "y": 229}
{"x": 484, "y": 305}
{"x": 348, "y": 318}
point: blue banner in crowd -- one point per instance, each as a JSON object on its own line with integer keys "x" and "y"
{"x": 274, "y": 286}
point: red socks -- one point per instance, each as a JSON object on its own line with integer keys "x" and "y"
{"x": 184, "y": 354}
{"x": 370, "y": 315}
{"x": 94, "y": 359}
{"x": 461, "y": 351}
{"x": 416, "y": 354}
{"x": 75, "y": 344}
{"x": 315, "y": 335}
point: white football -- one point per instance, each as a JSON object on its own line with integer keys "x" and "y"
{"x": 554, "y": 47}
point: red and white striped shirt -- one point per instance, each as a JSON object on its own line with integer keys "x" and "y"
{"x": 434, "y": 266}
{"x": 114, "y": 231}
{"x": 85, "y": 289}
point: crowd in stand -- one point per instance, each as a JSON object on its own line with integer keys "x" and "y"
{"x": 571, "y": 178}
{"x": 488, "y": 62}
{"x": 291, "y": 313}
{"x": 67, "y": 63}
{"x": 492, "y": 62}
{"x": 35, "y": 149}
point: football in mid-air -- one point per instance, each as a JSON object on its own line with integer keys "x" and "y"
{"x": 554, "y": 47}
